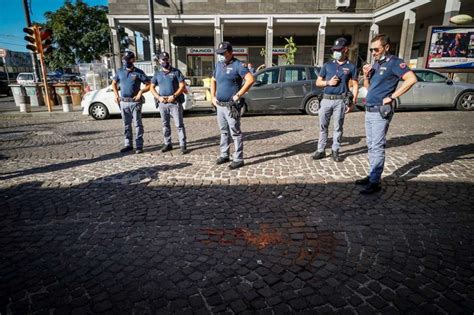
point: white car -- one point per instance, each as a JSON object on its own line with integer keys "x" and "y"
{"x": 101, "y": 104}
{"x": 25, "y": 77}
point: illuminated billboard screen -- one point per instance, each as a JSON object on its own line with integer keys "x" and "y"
{"x": 450, "y": 48}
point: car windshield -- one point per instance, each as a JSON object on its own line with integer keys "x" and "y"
{"x": 25, "y": 76}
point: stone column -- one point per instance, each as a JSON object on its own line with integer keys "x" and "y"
{"x": 218, "y": 31}
{"x": 321, "y": 41}
{"x": 406, "y": 38}
{"x": 451, "y": 9}
{"x": 269, "y": 42}
{"x": 166, "y": 35}
{"x": 133, "y": 41}
{"x": 374, "y": 30}
{"x": 116, "y": 54}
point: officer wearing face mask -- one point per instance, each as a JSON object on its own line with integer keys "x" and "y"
{"x": 130, "y": 100}
{"x": 170, "y": 98}
{"x": 381, "y": 80}
{"x": 226, "y": 91}
{"x": 334, "y": 77}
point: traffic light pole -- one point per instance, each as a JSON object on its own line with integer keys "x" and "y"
{"x": 34, "y": 61}
{"x": 43, "y": 67}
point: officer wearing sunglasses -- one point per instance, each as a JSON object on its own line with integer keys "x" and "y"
{"x": 381, "y": 80}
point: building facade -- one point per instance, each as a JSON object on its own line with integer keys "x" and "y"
{"x": 259, "y": 29}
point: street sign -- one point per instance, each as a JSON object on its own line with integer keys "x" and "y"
{"x": 3, "y": 53}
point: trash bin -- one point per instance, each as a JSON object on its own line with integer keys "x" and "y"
{"x": 25, "y": 106}
{"x": 52, "y": 95}
{"x": 33, "y": 90}
{"x": 207, "y": 84}
{"x": 61, "y": 89}
{"x": 76, "y": 93}
{"x": 18, "y": 91}
{"x": 66, "y": 101}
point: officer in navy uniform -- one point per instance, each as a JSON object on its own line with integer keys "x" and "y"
{"x": 334, "y": 77}
{"x": 130, "y": 100}
{"x": 227, "y": 88}
{"x": 381, "y": 80}
{"x": 170, "y": 98}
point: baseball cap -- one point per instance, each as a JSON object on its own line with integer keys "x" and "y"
{"x": 128, "y": 55}
{"x": 339, "y": 43}
{"x": 164, "y": 55}
{"x": 223, "y": 47}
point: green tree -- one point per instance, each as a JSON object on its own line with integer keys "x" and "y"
{"x": 80, "y": 33}
{"x": 291, "y": 49}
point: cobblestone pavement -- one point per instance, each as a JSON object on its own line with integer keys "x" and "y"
{"x": 84, "y": 229}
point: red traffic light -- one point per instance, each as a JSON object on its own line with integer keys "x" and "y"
{"x": 46, "y": 40}
{"x": 46, "y": 34}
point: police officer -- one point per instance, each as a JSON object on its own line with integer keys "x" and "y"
{"x": 170, "y": 98}
{"x": 226, "y": 90}
{"x": 334, "y": 77}
{"x": 129, "y": 78}
{"x": 381, "y": 80}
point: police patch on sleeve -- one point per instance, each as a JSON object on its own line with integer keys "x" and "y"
{"x": 403, "y": 65}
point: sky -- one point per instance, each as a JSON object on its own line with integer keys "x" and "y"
{"x": 12, "y": 19}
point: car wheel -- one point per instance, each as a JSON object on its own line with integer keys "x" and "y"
{"x": 466, "y": 101}
{"x": 312, "y": 106}
{"x": 98, "y": 111}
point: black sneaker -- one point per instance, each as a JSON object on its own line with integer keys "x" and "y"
{"x": 222, "y": 160}
{"x": 235, "y": 165}
{"x": 166, "y": 148}
{"x": 184, "y": 150}
{"x": 336, "y": 157}
{"x": 319, "y": 155}
{"x": 138, "y": 151}
{"x": 371, "y": 188}
{"x": 363, "y": 181}
{"x": 126, "y": 149}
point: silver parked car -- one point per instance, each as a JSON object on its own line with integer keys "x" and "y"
{"x": 433, "y": 89}
{"x": 284, "y": 89}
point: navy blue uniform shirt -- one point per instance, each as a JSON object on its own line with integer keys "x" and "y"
{"x": 168, "y": 81}
{"x": 129, "y": 81}
{"x": 345, "y": 72}
{"x": 229, "y": 78}
{"x": 384, "y": 79}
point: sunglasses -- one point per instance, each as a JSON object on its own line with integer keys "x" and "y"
{"x": 375, "y": 49}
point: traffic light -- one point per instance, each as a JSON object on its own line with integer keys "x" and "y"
{"x": 46, "y": 40}
{"x": 33, "y": 38}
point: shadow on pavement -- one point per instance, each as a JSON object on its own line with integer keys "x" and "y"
{"x": 431, "y": 160}
{"x": 69, "y": 164}
{"x": 393, "y": 142}
{"x": 248, "y": 136}
{"x": 119, "y": 246}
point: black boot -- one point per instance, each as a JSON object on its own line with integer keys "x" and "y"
{"x": 336, "y": 157}
{"x": 166, "y": 148}
{"x": 319, "y": 155}
{"x": 371, "y": 188}
{"x": 363, "y": 181}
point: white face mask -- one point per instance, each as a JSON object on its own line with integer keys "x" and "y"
{"x": 220, "y": 58}
{"x": 337, "y": 55}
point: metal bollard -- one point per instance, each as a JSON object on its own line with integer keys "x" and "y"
{"x": 67, "y": 103}
{"x": 25, "y": 106}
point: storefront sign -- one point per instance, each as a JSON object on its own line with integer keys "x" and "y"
{"x": 279, "y": 51}
{"x": 210, "y": 51}
{"x": 200, "y": 51}
{"x": 240, "y": 51}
